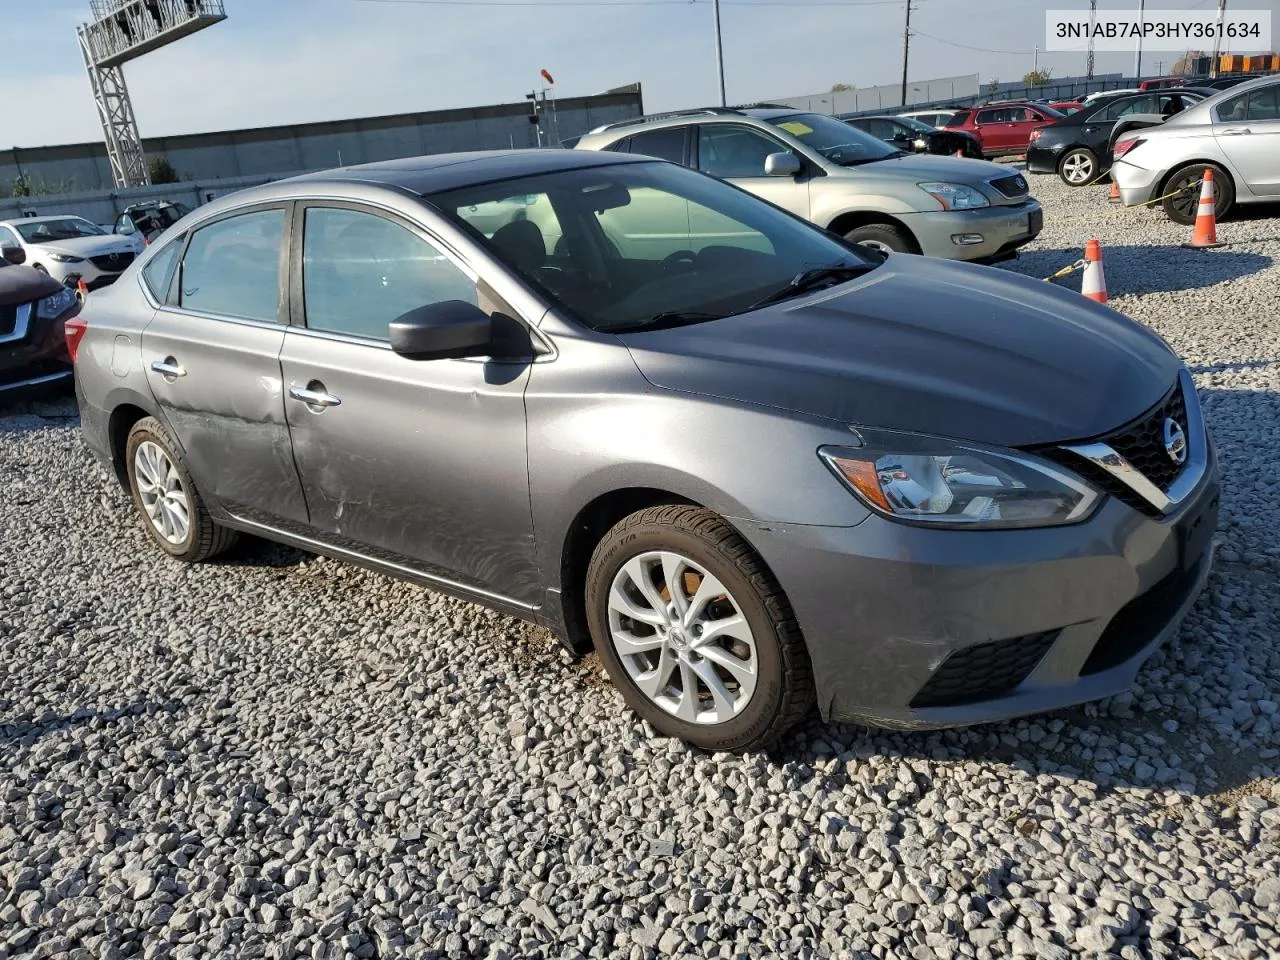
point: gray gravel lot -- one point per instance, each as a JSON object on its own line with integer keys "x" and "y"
{"x": 277, "y": 755}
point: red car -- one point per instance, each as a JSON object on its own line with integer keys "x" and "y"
{"x": 1162, "y": 83}
{"x": 1066, "y": 107}
{"x": 34, "y": 309}
{"x": 1003, "y": 128}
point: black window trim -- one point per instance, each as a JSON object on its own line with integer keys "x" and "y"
{"x": 172, "y": 301}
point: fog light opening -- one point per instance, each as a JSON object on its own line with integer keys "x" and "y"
{"x": 967, "y": 239}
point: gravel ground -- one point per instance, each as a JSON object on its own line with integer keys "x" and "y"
{"x": 278, "y": 755}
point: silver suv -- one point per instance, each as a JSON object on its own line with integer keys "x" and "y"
{"x": 843, "y": 179}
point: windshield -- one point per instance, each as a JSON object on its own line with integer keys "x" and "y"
{"x": 636, "y": 245}
{"x": 835, "y": 139}
{"x": 43, "y": 231}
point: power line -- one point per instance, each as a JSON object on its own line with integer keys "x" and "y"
{"x": 965, "y": 46}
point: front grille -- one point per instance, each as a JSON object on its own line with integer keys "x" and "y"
{"x": 1014, "y": 186}
{"x": 115, "y": 262}
{"x": 8, "y": 319}
{"x": 1140, "y": 621}
{"x": 984, "y": 671}
{"x": 1141, "y": 443}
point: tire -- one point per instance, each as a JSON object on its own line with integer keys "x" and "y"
{"x": 162, "y": 469}
{"x": 886, "y": 237}
{"x": 1078, "y": 167}
{"x": 1182, "y": 207}
{"x": 771, "y": 684}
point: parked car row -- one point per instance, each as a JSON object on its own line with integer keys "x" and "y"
{"x": 34, "y": 309}
{"x": 842, "y": 179}
{"x": 1235, "y": 133}
{"x": 546, "y": 381}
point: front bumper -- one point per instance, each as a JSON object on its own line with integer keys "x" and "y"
{"x": 1003, "y": 230}
{"x": 70, "y": 274}
{"x": 1044, "y": 159}
{"x": 911, "y": 627}
{"x": 35, "y": 357}
{"x": 1137, "y": 184}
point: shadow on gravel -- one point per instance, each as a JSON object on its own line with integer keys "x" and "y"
{"x": 25, "y": 732}
{"x": 1234, "y": 365}
{"x": 1145, "y": 269}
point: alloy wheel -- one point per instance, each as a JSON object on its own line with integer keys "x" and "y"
{"x": 161, "y": 492}
{"x": 1187, "y": 195}
{"x": 1077, "y": 168}
{"x": 876, "y": 245}
{"x": 682, "y": 637}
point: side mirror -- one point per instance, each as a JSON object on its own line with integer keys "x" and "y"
{"x": 127, "y": 228}
{"x": 442, "y": 331}
{"x": 15, "y": 255}
{"x": 781, "y": 165}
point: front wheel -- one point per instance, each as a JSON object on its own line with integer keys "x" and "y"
{"x": 1182, "y": 193}
{"x": 885, "y": 237}
{"x": 1079, "y": 167}
{"x": 695, "y": 632}
{"x": 171, "y": 508}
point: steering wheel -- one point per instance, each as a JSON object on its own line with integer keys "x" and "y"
{"x": 685, "y": 259}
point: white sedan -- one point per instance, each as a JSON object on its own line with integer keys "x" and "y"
{"x": 69, "y": 249}
{"x": 1236, "y": 134}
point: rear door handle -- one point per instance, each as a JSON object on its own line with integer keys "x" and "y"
{"x": 168, "y": 368}
{"x": 314, "y": 395}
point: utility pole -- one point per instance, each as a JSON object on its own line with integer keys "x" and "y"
{"x": 1137, "y": 63}
{"x": 1035, "y": 60}
{"x": 1093, "y": 18}
{"x": 906, "y": 51}
{"x": 1217, "y": 40}
{"x": 715, "y": 14}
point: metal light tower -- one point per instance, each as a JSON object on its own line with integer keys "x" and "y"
{"x": 123, "y": 30}
{"x": 1093, "y": 18}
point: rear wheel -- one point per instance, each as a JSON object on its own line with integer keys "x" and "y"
{"x": 1184, "y": 186}
{"x": 885, "y": 237}
{"x": 171, "y": 509}
{"x": 1079, "y": 167}
{"x": 695, "y": 632}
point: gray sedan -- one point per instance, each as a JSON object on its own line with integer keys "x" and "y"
{"x": 755, "y": 465}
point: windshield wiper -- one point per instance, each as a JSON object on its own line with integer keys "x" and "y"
{"x": 816, "y": 277}
{"x": 668, "y": 319}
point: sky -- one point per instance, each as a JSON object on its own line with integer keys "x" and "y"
{"x": 296, "y": 61}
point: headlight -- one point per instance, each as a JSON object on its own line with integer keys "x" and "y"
{"x": 955, "y": 196}
{"x": 56, "y": 304}
{"x": 64, "y": 258}
{"x": 952, "y": 483}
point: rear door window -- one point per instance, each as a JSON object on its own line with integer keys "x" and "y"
{"x": 993, "y": 116}
{"x": 1264, "y": 104}
{"x": 158, "y": 272}
{"x": 666, "y": 144}
{"x": 232, "y": 267}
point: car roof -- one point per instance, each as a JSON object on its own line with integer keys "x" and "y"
{"x": 48, "y": 219}
{"x": 449, "y": 171}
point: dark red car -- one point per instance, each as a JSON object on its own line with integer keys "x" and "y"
{"x": 34, "y": 309}
{"x": 1003, "y": 128}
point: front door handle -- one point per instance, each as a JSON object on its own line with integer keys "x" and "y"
{"x": 169, "y": 368}
{"x": 314, "y": 395}
{"x": 1238, "y": 132}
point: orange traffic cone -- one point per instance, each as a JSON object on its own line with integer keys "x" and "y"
{"x": 1094, "y": 285}
{"x": 1115, "y": 192}
{"x": 1205, "y": 234}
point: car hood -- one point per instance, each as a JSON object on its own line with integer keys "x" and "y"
{"x": 24, "y": 284}
{"x": 924, "y": 167}
{"x": 83, "y": 246}
{"x": 927, "y": 346}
